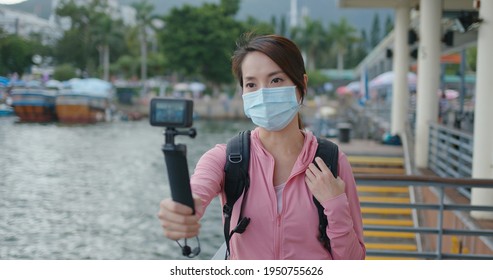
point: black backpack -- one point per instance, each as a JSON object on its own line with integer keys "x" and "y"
{"x": 237, "y": 182}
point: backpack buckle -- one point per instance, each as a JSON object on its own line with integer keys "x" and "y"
{"x": 227, "y": 210}
{"x": 242, "y": 225}
{"x": 235, "y": 158}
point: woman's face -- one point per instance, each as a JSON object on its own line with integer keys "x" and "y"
{"x": 259, "y": 71}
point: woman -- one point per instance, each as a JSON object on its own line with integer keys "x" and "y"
{"x": 283, "y": 177}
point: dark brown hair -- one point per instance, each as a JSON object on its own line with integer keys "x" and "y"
{"x": 280, "y": 49}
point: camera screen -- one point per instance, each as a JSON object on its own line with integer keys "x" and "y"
{"x": 170, "y": 112}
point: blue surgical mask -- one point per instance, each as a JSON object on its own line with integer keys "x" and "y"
{"x": 271, "y": 108}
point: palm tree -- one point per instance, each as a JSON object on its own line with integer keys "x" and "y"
{"x": 106, "y": 33}
{"x": 342, "y": 35}
{"x": 312, "y": 39}
{"x": 144, "y": 21}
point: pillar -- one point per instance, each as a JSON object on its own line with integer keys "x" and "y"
{"x": 482, "y": 165}
{"x": 400, "y": 88}
{"x": 428, "y": 76}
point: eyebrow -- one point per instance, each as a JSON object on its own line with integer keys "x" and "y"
{"x": 269, "y": 75}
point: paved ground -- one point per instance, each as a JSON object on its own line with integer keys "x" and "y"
{"x": 369, "y": 148}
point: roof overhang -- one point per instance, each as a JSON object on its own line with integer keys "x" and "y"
{"x": 373, "y": 3}
{"x": 447, "y": 4}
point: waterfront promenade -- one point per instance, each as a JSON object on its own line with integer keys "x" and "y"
{"x": 221, "y": 107}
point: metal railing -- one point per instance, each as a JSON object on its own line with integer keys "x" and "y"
{"x": 440, "y": 184}
{"x": 450, "y": 153}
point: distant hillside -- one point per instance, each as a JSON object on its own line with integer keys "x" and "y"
{"x": 324, "y": 10}
{"x": 41, "y": 8}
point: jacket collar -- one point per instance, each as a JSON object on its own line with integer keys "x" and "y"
{"x": 304, "y": 159}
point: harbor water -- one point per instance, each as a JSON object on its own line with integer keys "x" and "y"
{"x": 93, "y": 191}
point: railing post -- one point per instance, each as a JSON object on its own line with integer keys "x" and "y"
{"x": 440, "y": 223}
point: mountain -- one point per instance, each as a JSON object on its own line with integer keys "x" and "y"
{"x": 324, "y": 10}
{"x": 41, "y": 8}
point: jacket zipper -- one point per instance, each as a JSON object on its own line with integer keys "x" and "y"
{"x": 278, "y": 238}
{"x": 277, "y": 235}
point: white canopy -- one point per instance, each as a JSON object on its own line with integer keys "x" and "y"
{"x": 90, "y": 86}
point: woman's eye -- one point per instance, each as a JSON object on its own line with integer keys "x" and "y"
{"x": 276, "y": 80}
{"x": 249, "y": 85}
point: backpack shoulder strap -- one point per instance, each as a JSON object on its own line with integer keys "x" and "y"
{"x": 329, "y": 153}
{"x": 236, "y": 182}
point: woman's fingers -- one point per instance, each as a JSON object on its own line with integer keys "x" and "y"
{"x": 176, "y": 234}
{"x": 309, "y": 173}
{"x": 177, "y": 231}
{"x": 323, "y": 167}
{"x": 177, "y": 219}
{"x": 321, "y": 181}
{"x": 170, "y": 205}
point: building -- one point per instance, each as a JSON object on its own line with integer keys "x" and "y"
{"x": 25, "y": 24}
{"x": 51, "y": 29}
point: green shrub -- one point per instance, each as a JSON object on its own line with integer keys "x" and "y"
{"x": 64, "y": 72}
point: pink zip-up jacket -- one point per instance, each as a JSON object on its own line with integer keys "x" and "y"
{"x": 293, "y": 233}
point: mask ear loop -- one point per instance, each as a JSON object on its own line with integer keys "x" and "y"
{"x": 187, "y": 250}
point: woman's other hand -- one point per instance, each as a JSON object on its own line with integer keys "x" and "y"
{"x": 321, "y": 181}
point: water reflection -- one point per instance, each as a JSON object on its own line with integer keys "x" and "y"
{"x": 92, "y": 192}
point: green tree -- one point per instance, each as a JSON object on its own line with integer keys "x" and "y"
{"x": 109, "y": 32}
{"x": 15, "y": 54}
{"x": 375, "y": 33}
{"x": 74, "y": 46}
{"x": 126, "y": 65}
{"x": 358, "y": 51}
{"x": 389, "y": 25}
{"x": 198, "y": 41}
{"x": 279, "y": 25}
{"x": 157, "y": 64}
{"x": 3, "y": 34}
{"x": 70, "y": 49}
{"x": 471, "y": 57}
{"x": 144, "y": 21}
{"x": 283, "y": 26}
{"x": 38, "y": 47}
{"x": 64, "y": 72}
{"x": 361, "y": 50}
{"x": 273, "y": 22}
{"x": 258, "y": 27}
{"x": 91, "y": 37}
{"x": 364, "y": 41}
{"x": 343, "y": 36}
{"x": 317, "y": 80}
{"x": 312, "y": 39}
{"x": 230, "y": 7}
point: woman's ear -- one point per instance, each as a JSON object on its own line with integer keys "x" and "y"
{"x": 305, "y": 80}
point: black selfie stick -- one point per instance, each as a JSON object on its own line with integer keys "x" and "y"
{"x": 176, "y": 162}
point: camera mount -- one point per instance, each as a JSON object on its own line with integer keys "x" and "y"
{"x": 171, "y": 132}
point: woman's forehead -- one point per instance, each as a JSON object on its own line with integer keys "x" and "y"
{"x": 258, "y": 64}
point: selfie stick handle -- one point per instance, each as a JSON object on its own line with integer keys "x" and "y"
{"x": 176, "y": 163}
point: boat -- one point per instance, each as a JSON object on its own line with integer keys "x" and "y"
{"x": 6, "y": 111}
{"x": 34, "y": 104}
{"x": 79, "y": 107}
{"x": 84, "y": 101}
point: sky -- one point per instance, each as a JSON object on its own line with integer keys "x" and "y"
{"x": 10, "y": 1}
